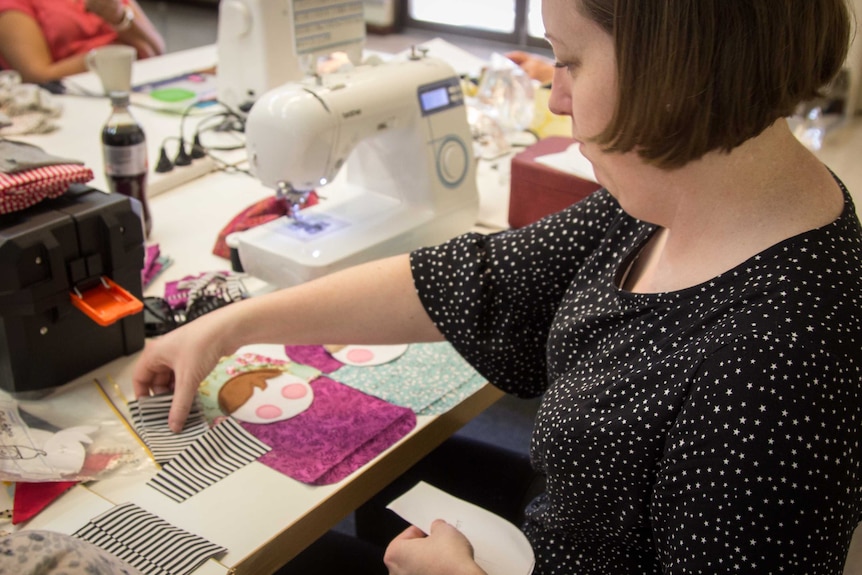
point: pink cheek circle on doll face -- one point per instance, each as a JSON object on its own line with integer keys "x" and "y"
{"x": 294, "y": 391}
{"x": 360, "y": 355}
{"x": 268, "y": 411}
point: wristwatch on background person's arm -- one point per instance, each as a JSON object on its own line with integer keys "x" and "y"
{"x": 128, "y": 18}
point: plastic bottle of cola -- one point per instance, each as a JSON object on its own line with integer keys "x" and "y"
{"x": 125, "y": 153}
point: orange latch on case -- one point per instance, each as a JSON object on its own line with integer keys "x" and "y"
{"x": 106, "y": 303}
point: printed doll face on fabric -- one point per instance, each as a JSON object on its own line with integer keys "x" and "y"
{"x": 365, "y": 355}
{"x": 264, "y": 396}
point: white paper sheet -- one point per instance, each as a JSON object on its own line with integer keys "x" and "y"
{"x": 571, "y": 161}
{"x": 499, "y": 547}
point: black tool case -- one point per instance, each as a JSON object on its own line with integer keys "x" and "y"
{"x": 48, "y": 251}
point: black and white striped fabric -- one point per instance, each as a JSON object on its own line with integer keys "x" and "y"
{"x": 150, "y": 418}
{"x": 148, "y": 542}
{"x": 221, "y": 451}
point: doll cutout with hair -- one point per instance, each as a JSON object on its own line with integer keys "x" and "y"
{"x": 265, "y": 396}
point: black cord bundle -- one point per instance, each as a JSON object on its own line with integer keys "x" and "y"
{"x": 225, "y": 120}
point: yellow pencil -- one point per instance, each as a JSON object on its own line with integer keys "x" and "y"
{"x": 122, "y": 417}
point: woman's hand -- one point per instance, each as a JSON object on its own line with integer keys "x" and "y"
{"x": 178, "y": 361}
{"x": 111, "y": 11}
{"x": 444, "y": 551}
{"x": 141, "y": 34}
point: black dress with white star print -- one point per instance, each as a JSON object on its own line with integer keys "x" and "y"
{"x": 714, "y": 429}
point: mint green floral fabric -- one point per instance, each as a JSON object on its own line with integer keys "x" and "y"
{"x": 430, "y": 378}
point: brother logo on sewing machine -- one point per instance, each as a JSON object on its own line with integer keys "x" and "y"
{"x": 391, "y": 144}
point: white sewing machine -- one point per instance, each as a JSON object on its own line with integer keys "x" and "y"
{"x": 265, "y": 43}
{"x": 397, "y": 136}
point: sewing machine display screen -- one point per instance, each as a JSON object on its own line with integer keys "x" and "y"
{"x": 440, "y": 96}
{"x": 434, "y": 99}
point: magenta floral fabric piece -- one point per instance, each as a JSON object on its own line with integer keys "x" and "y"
{"x": 314, "y": 356}
{"x": 341, "y": 431}
{"x": 152, "y": 264}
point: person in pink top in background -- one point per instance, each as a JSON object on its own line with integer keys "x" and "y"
{"x": 46, "y": 40}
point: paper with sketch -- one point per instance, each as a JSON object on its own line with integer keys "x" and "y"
{"x": 499, "y": 547}
{"x": 571, "y": 161}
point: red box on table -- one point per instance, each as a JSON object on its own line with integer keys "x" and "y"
{"x": 537, "y": 190}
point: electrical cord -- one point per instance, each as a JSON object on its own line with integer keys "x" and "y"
{"x": 227, "y": 167}
{"x": 227, "y": 120}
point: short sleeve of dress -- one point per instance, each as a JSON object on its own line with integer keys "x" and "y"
{"x": 494, "y": 296}
{"x": 23, "y": 6}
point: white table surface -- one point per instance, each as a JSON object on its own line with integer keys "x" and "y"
{"x": 261, "y": 516}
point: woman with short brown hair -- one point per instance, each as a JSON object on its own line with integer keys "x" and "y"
{"x": 693, "y": 328}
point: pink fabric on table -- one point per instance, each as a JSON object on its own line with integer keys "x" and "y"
{"x": 315, "y": 356}
{"x": 342, "y": 430}
{"x": 152, "y": 265}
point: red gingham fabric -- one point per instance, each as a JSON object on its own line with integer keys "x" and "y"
{"x": 24, "y": 189}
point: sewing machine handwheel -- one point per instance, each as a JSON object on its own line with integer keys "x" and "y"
{"x": 452, "y": 161}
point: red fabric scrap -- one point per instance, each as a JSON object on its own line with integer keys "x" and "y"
{"x": 256, "y": 214}
{"x": 31, "y": 498}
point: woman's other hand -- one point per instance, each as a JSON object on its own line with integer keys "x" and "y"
{"x": 111, "y": 11}
{"x": 445, "y": 551}
{"x": 536, "y": 67}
